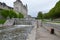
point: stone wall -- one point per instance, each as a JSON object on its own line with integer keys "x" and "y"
{"x": 20, "y": 32}
{"x": 32, "y": 35}
{"x": 9, "y": 22}
{"x": 49, "y": 26}
{"x": 24, "y": 21}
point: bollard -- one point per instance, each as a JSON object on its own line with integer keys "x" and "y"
{"x": 52, "y": 31}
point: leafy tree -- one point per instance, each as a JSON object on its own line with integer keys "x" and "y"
{"x": 45, "y": 16}
{"x": 12, "y": 14}
{"x": 54, "y": 12}
{"x": 4, "y": 13}
{"x": 40, "y": 15}
{"x": 21, "y": 15}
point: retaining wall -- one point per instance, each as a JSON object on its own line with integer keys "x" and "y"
{"x": 20, "y": 32}
{"x": 49, "y": 26}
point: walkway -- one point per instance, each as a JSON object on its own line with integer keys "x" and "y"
{"x": 43, "y": 34}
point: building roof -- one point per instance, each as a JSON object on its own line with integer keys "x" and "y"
{"x": 0, "y": 3}
{"x": 25, "y": 6}
{"x": 19, "y": 1}
{"x": 10, "y": 7}
{"x": 3, "y": 4}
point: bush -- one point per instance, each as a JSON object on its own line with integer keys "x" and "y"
{"x": 2, "y": 21}
{"x": 4, "y": 13}
{"x": 20, "y": 15}
{"x": 10, "y": 14}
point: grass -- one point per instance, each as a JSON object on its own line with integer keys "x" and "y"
{"x": 46, "y": 21}
{"x": 56, "y": 22}
{"x": 2, "y": 21}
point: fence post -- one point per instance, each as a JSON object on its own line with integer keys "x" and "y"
{"x": 37, "y": 23}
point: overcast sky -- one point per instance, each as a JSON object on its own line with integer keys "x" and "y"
{"x": 34, "y": 6}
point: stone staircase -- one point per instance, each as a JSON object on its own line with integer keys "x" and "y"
{"x": 9, "y": 22}
{"x": 18, "y": 32}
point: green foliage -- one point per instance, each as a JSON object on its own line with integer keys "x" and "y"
{"x": 10, "y": 14}
{"x": 2, "y": 21}
{"x": 4, "y": 13}
{"x": 20, "y": 15}
{"x": 45, "y": 15}
{"x": 40, "y": 15}
{"x": 54, "y": 12}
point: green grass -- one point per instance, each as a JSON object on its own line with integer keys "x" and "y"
{"x": 2, "y": 21}
{"x": 56, "y": 22}
{"x": 45, "y": 21}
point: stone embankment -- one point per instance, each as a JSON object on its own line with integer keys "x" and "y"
{"x": 43, "y": 32}
{"x": 50, "y": 26}
{"x": 9, "y": 22}
{"x": 18, "y": 32}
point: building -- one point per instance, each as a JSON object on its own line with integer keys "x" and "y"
{"x": 18, "y": 7}
{"x": 4, "y": 6}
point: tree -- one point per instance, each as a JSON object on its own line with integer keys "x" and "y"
{"x": 21, "y": 15}
{"x": 40, "y": 15}
{"x": 4, "y": 13}
{"x": 54, "y": 12}
{"x": 8, "y": 13}
{"x": 12, "y": 14}
{"x": 45, "y": 16}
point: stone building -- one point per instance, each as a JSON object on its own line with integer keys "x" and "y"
{"x": 18, "y": 7}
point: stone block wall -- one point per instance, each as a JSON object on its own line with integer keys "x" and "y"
{"x": 49, "y": 26}
{"x": 16, "y": 33}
